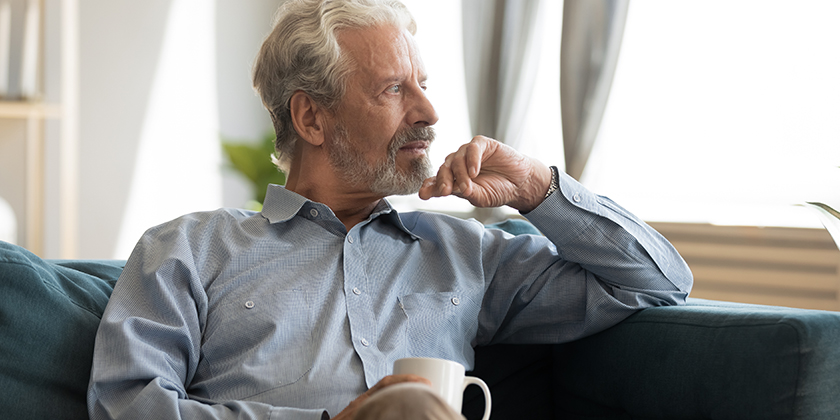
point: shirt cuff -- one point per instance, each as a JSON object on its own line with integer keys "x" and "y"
{"x": 572, "y": 203}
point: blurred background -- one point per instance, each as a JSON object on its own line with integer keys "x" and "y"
{"x": 719, "y": 113}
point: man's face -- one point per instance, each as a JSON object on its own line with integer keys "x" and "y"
{"x": 381, "y": 130}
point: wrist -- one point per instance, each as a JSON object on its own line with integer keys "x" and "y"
{"x": 536, "y": 189}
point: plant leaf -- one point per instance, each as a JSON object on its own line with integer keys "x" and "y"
{"x": 254, "y": 162}
{"x": 242, "y": 159}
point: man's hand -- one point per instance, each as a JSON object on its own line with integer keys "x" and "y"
{"x": 490, "y": 174}
{"x": 350, "y": 411}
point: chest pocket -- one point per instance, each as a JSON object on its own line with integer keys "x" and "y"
{"x": 440, "y": 324}
{"x": 259, "y": 342}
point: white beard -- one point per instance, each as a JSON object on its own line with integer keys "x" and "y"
{"x": 382, "y": 178}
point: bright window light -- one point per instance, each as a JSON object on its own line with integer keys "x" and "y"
{"x": 721, "y": 112}
{"x": 724, "y": 112}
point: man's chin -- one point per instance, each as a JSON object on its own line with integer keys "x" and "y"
{"x": 402, "y": 186}
{"x": 404, "y": 182}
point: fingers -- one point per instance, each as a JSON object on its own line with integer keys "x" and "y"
{"x": 456, "y": 174}
{"x": 430, "y": 189}
{"x": 396, "y": 379}
{"x": 464, "y": 166}
{"x": 458, "y": 169}
{"x": 440, "y": 185}
{"x": 349, "y": 412}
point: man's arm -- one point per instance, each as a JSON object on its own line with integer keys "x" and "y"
{"x": 148, "y": 345}
{"x": 605, "y": 263}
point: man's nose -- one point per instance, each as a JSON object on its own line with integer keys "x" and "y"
{"x": 422, "y": 113}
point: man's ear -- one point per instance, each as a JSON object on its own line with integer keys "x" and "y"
{"x": 307, "y": 118}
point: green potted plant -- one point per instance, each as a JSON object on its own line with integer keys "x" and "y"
{"x": 253, "y": 161}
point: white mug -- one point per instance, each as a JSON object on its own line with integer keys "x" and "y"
{"x": 447, "y": 378}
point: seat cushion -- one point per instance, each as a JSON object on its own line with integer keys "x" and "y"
{"x": 49, "y": 314}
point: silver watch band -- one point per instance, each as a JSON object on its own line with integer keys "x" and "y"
{"x": 555, "y": 183}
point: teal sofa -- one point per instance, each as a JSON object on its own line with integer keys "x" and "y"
{"x": 705, "y": 360}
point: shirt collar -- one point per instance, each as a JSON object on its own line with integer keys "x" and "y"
{"x": 281, "y": 205}
{"x": 390, "y": 214}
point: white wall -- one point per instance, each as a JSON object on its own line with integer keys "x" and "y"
{"x": 160, "y": 80}
{"x": 239, "y": 33}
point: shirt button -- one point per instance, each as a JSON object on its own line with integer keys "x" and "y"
{"x": 356, "y": 291}
{"x": 365, "y": 342}
{"x": 456, "y": 301}
{"x": 576, "y": 197}
{"x": 313, "y": 212}
{"x": 249, "y": 304}
{"x": 349, "y": 239}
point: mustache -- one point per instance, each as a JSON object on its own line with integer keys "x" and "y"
{"x": 411, "y": 134}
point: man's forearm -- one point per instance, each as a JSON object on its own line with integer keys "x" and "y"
{"x": 611, "y": 243}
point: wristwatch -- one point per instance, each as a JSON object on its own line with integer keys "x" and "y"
{"x": 555, "y": 183}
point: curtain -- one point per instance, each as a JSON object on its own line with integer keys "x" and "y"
{"x": 501, "y": 57}
{"x": 591, "y": 40}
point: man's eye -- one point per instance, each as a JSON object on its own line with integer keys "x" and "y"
{"x": 394, "y": 89}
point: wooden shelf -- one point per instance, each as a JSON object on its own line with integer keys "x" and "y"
{"x": 29, "y": 109}
{"x": 35, "y": 114}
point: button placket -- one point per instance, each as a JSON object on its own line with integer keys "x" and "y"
{"x": 360, "y": 312}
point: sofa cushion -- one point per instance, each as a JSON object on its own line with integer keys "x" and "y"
{"x": 708, "y": 359}
{"x": 49, "y": 314}
{"x": 516, "y": 227}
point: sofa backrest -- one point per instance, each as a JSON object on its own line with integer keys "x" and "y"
{"x": 49, "y": 314}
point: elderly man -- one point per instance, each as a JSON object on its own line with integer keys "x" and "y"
{"x": 299, "y": 311}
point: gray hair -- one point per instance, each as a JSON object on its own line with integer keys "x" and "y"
{"x": 302, "y": 54}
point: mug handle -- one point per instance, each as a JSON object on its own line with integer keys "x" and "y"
{"x": 472, "y": 380}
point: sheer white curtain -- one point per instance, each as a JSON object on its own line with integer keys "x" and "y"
{"x": 591, "y": 41}
{"x": 501, "y": 60}
{"x": 501, "y": 41}
{"x": 502, "y": 56}
{"x": 508, "y": 48}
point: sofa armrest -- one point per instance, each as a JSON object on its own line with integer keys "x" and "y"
{"x": 49, "y": 314}
{"x": 708, "y": 359}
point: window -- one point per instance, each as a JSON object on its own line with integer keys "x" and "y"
{"x": 723, "y": 112}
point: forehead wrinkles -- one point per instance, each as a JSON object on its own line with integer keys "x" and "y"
{"x": 378, "y": 52}
{"x": 413, "y": 51}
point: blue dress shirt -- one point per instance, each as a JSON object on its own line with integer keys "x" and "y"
{"x": 285, "y": 314}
